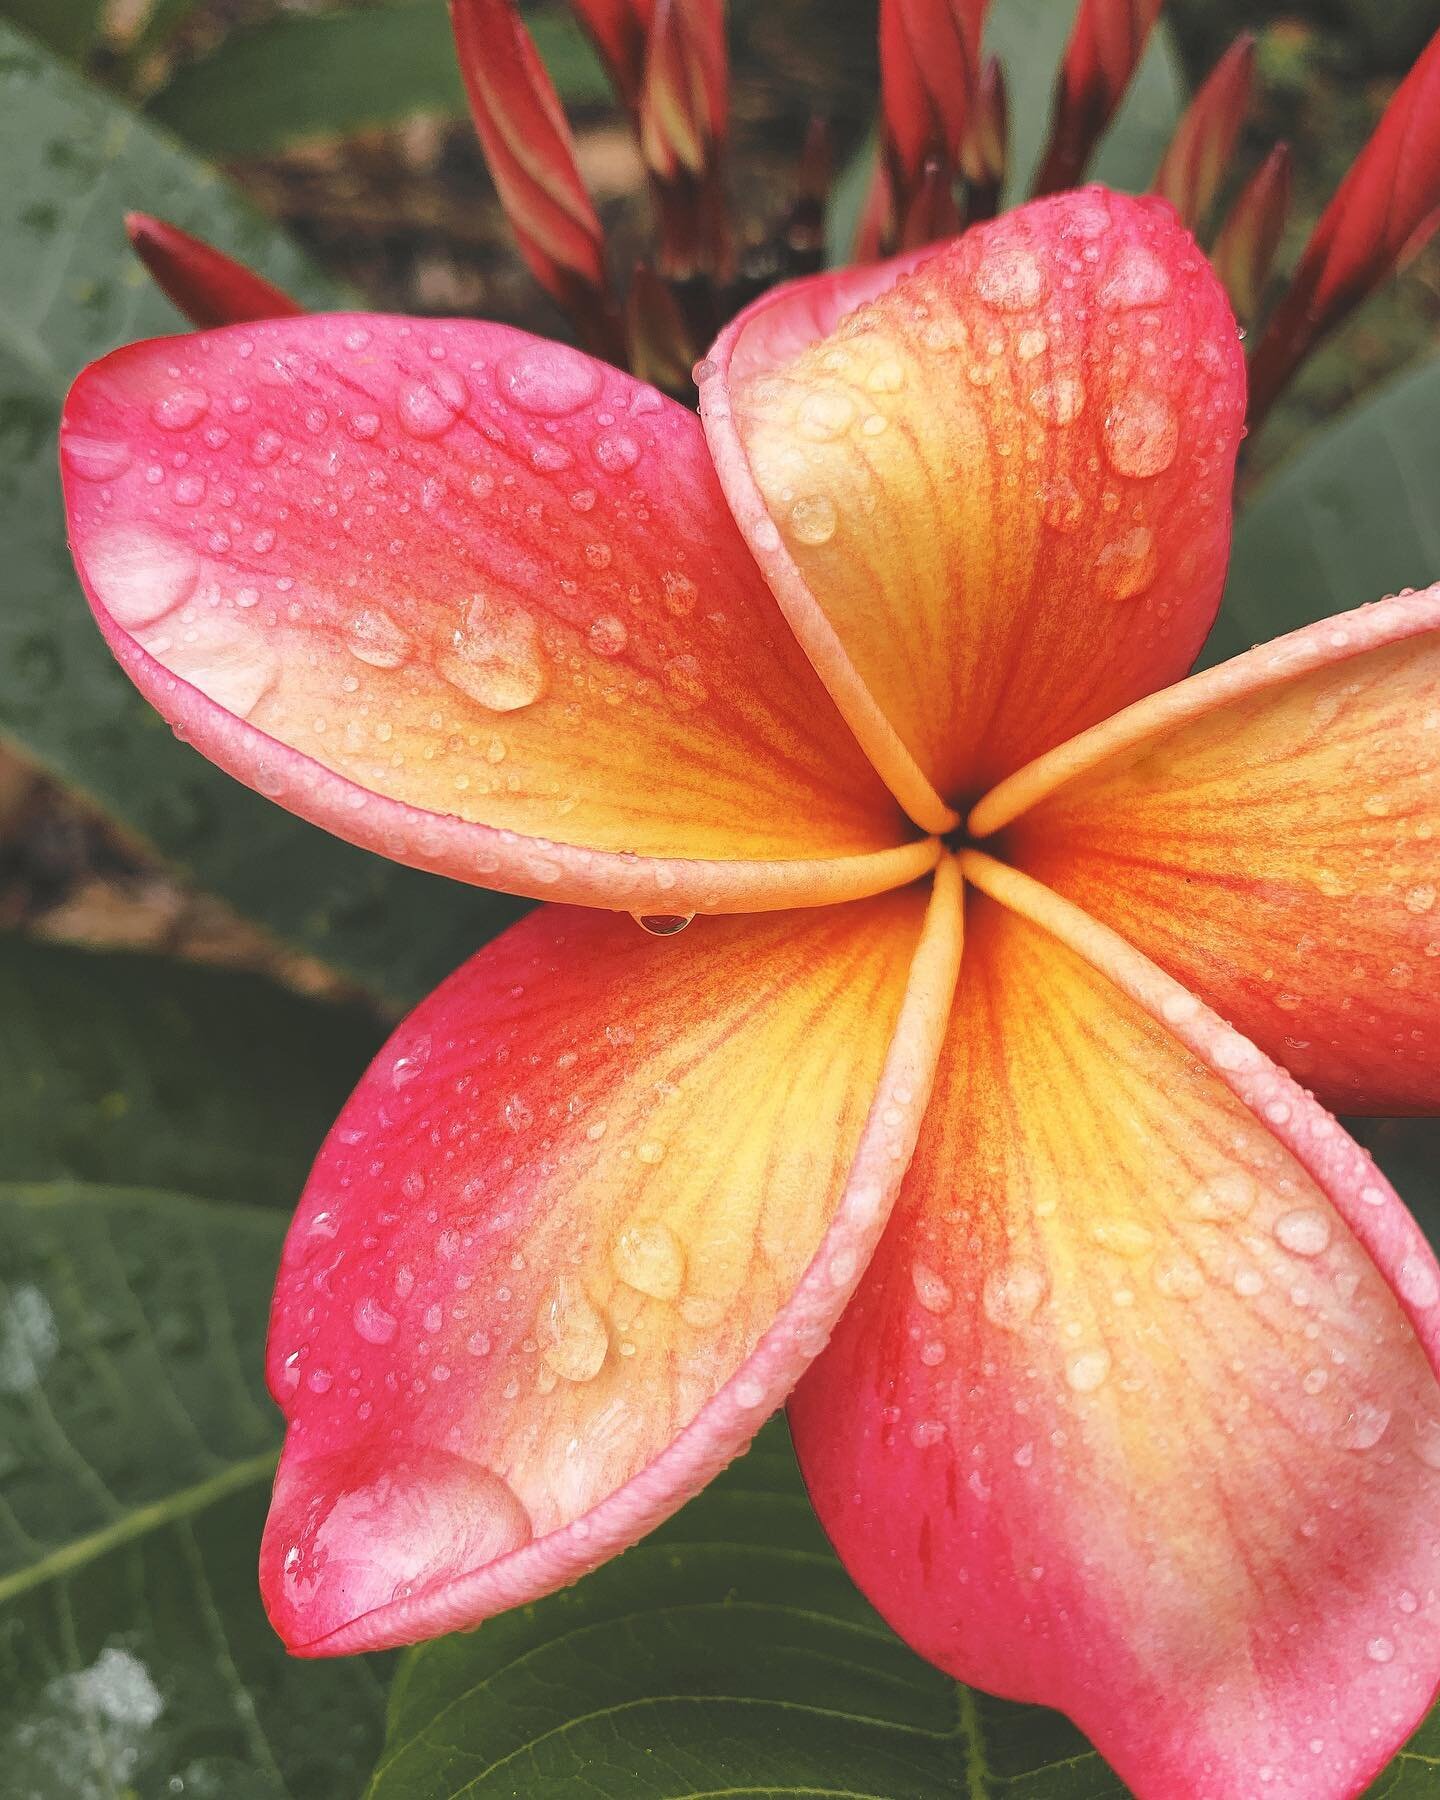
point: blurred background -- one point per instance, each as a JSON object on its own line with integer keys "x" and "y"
{"x": 343, "y": 121}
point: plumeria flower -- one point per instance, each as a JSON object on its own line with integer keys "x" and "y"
{"x": 960, "y": 1114}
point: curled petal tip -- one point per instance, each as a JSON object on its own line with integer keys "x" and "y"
{"x": 209, "y": 287}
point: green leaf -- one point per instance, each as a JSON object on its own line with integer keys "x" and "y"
{"x": 69, "y": 26}
{"x": 727, "y": 1653}
{"x": 135, "y": 1068}
{"x": 75, "y": 160}
{"x": 1029, "y": 36}
{"x": 136, "y": 1450}
{"x": 1353, "y": 516}
{"x": 333, "y": 73}
{"x": 1408, "y": 1152}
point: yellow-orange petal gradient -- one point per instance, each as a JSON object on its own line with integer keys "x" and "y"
{"x": 992, "y": 493}
{"x": 474, "y": 601}
{"x": 588, "y": 1216}
{"x": 1135, "y": 1413}
{"x": 1269, "y": 831}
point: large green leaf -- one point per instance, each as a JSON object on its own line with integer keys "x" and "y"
{"x": 151, "y": 1071}
{"x": 1029, "y": 36}
{"x": 74, "y": 160}
{"x": 136, "y": 1449}
{"x": 328, "y": 74}
{"x": 1353, "y": 515}
{"x": 729, "y": 1654}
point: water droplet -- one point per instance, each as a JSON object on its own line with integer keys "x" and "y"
{"x": 1142, "y": 435}
{"x": 1126, "y": 1237}
{"x": 495, "y": 655}
{"x": 1226, "y": 1196}
{"x": 1364, "y": 1426}
{"x": 1061, "y": 504}
{"x": 139, "y": 574}
{"x": 684, "y": 685}
{"x": 608, "y": 635}
{"x": 825, "y": 415}
{"x": 616, "y": 452}
{"x": 1420, "y": 899}
{"x": 518, "y": 1115}
{"x": 1137, "y": 277}
{"x": 1011, "y": 279}
{"x": 362, "y": 1530}
{"x": 1011, "y": 1295}
{"x": 572, "y": 1334}
{"x": 1178, "y": 1277}
{"x": 1380, "y": 1650}
{"x": 931, "y": 1289}
{"x": 548, "y": 379}
{"x": 429, "y": 407}
{"x": 813, "y": 519}
{"x": 926, "y": 1432}
{"x": 1031, "y": 344}
{"x": 1087, "y": 1370}
{"x": 1417, "y": 1282}
{"x": 372, "y": 1321}
{"x": 1304, "y": 1232}
{"x": 94, "y": 458}
{"x": 180, "y": 409}
{"x": 411, "y": 1063}
{"x": 235, "y": 671}
{"x": 374, "y": 637}
{"x": 647, "y": 1256}
{"x": 365, "y": 425}
{"x": 1060, "y": 401}
{"x": 662, "y": 924}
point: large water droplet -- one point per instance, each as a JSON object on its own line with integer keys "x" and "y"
{"x": 1304, "y": 1232}
{"x": 647, "y": 1256}
{"x": 372, "y": 1321}
{"x": 495, "y": 656}
{"x": 94, "y": 458}
{"x": 1142, "y": 435}
{"x": 931, "y": 1289}
{"x": 608, "y": 635}
{"x": 429, "y": 407}
{"x": 236, "y": 672}
{"x": 1060, "y": 401}
{"x": 662, "y": 924}
{"x": 374, "y": 637}
{"x": 1226, "y": 1196}
{"x": 572, "y": 1334}
{"x": 548, "y": 379}
{"x": 1011, "y": 279}
{"x": 813, "y": 519}
{"x": 1011, "y": 1295}
{"x": 140, "y": 574}
{"x": 1129, "y": 564}
{"x": 357, "y": 1532}
{"x": 1137, "y": 277}
{"x": 1087, "y": 1370}
{"x": 181, "y": 408}
{"x": 410, "y": 1064}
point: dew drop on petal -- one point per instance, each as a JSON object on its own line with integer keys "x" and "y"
{"x": 662, "y": 924}
{"x": 374, "y": 637}
{"x": 1304, "y": 1232}
{"x": 647, "y": 1256}
{"x": 180, "y": 409}
{"x": 572, "y": 1334}
{"x": 139, "y": 574}
{"x": 1011, "y": 1295}
{"x": 1136, "y": 278}
{"x": 495, "y": 656}
{"x": 931, "y": 1289}
{"x": 94, "y": 458}
{"x": 1087, "y": 1370}
{"x": 1142, "y": 435}
{"x": 372, "y": 1321}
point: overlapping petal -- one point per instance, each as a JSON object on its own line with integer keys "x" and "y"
{"x": 1269, "y": 832}
{"x": 580, "y": 1228}
{"x": 994, "y": 501}
{"x": 472, "y": 600}
{"x": 1134, "y": 1413}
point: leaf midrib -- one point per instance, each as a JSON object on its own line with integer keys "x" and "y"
{"x": 171, "y": 1509}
